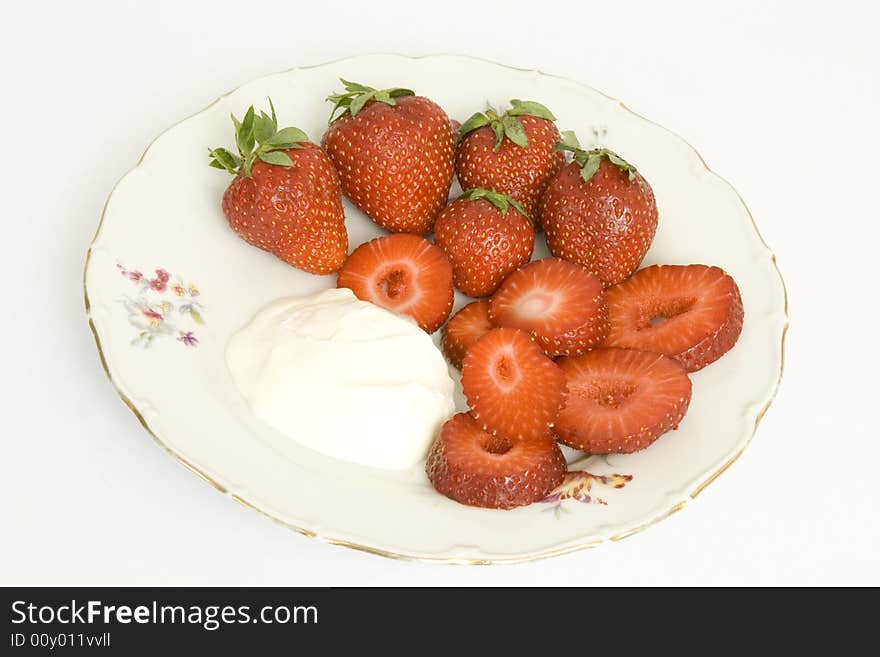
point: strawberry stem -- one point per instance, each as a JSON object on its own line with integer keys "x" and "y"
{"x": 258, "y": 138}
{"x": 589, "y": 160}
{"x": 501, "y": 201}
{"x": 507, "y": 124}
{"x": 356, "y": 96}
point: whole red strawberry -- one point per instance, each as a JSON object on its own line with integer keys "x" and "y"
{"x": 483, "y": 240}
{"x": 599, "y": 212}
{"x": 512, "y": 153}
{"x": 394, "y": 154}
{"x": 285, "y": 197}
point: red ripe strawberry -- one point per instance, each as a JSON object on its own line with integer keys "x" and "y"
{"x": 692, "y": 313}
{"x": 473, "y": 467}
{"x": 483, "y": 240}
{"x": 621, "y": 400}
{"x": 403, "y": 273}
{"x": 561, "y": 304}
{"x": 285, "y": 197}
{"x": 463, "y": 329}
{"x": 512, "y": 153}
{"x": 600, "y": 213}
{"x": 394, "y": 154}
{"x": 513, "y": 389}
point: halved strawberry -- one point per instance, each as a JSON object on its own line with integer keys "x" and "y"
{"x": 560, "y": 303}
{"x": 513, "y": 389}
{"x": 403, "y": 273}
{"x": 621, "y": 400}
{"x": 693, "y": 313}
{"x": 464, "y": 328}
{"x": 473, "y": 467}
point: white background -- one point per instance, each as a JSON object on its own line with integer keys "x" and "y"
{"x": 780, "y": 99}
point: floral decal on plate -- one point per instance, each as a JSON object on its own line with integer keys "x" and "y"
{"x": 578, "y": 485}
{"x": 159, "y": 302}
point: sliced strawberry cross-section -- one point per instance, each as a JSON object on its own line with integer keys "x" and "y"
{"x": 403, "y": 273}
{"x": 473, "y": 467}
{"x": 513, "y": 388}
{"x": 464, "y": 328}
{"x": 621, "y": 400}
{"x": 693, "y": 313}
{"x": 560, "y": 303}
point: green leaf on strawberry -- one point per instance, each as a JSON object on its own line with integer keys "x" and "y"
{"x": 501, "y": 201}
{"x": 590, "y": 167}
{"x": 514, "y": 131}
{"x": 223, "y": 159}
{"x": 529, "y": 108}
{"x": 274, "y": 118}
{"x": 569, "y": 141}
{"x": 263, "y": 128}
{"x": 589, "y": 161}
{"x": 356, "y": 96}
{"x": 478, "y": 120}
{"x": 358, "y": 102}
{"x": 286, "y": 136}
{"x": 506, "y": 124}
{"x": 354, "y": 86}
{"x": 244, "y": 134}
{"x": 260, "y": 131}
{"x": 279, "y": 158}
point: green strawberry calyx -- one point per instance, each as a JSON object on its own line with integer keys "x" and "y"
{"x": 258, "y": 138}
{"x": 506, "y": 124}
{"x": 590, "y": 160}
{"x": 357, "y": 95}
{"x": 501, "y": 201}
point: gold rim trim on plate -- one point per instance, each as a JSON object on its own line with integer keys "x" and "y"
{"x": 678, "y": 506}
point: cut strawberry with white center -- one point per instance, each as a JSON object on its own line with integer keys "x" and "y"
{"x": 621, "y": 400}
{"x": 464, "y": 328}
{"x": 561, "y": 304}
{"x": 692, "y": 313}
{"x": 403, "y": 273}
{"x": 473, "y": 467}
{"x": 513, "y": 389}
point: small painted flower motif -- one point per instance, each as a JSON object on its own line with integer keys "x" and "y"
{"x": 188, "y": 339}
{"x": 147, "y": 318}
{"x": 578, "y": 485}
{"x": 192, "y": 310}
{"x": 153, "y": 316}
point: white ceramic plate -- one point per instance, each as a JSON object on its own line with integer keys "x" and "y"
{"x": 163, "y": 345}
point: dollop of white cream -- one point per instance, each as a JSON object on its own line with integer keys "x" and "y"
{"x": 343, "y": 377}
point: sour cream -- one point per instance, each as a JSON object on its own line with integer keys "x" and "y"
{"x": 343, "y": 377}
